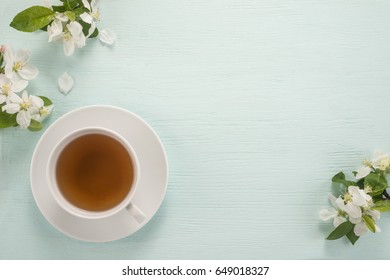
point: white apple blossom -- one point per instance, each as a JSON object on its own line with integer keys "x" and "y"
{"x": 43, "y": 111}
{"x": 9, "y": 88}
{"x": 56, "y": 29}
{"x": 381, "y": 161}
{"x": 361, "y": 227}
{"x": 17, "y": 67}
{"x": 357, "y": 196}
{"x": 70, "y": 33}
{"x": 337, "y": 213}
{"x": 73, "y": 37}
{"x": 26, "y": 108}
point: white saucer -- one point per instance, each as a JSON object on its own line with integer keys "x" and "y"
{"x": 152, "y": 183}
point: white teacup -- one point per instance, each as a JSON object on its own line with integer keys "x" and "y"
{"x": 125, "y": 205}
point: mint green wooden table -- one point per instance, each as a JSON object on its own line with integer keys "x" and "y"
{"x": 258, "y": 104}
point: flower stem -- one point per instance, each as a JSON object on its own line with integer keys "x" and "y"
{"x": 386, "y": 194}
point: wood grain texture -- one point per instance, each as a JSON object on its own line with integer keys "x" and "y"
{"x": 258, "y": 103}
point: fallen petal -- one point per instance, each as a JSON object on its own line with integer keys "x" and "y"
{"x": 65, "y": 83}
{"x": 107, "y": 36}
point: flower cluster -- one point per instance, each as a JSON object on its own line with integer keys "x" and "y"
{"x": 71, "y": 22}
{"x": 75, "y": 25}
{"x": 357, "y": 210}
{"x": 26, "y": 110}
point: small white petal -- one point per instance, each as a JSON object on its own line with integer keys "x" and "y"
{"x": 338, "y": 221}
{"x": 65, "y": 83}
{"x": 340, "y": 204}
{"x": 36, "y": 101}
{"x": 375, "y": 214}
{"x": 61, "y": 17}
{"x": 23, "y": 118}
{"x": 91, "y": 29}
{"x": 11, "y": 108}
{"x": 9, "y": 55}
{"x": 95, "y": 5}
{"x": 363, "y": 172}
{"x": 86, "y": 18}
{"x": 75, "y": 28}
{"x": 80, "y": 40}
{"x": 28, "y": 72}
{"x": 22, "y": 55}
{"x": 355, "y": 220}
{"x": 33, "y": 111}
{"x": 8, "y": 70}
{"x": 3, "y": 98}
{"x": 353, "y": 210}
{"x": 14, "y": 98}
{"x": 69, "y": 47}
{"x": 55, "y": 30}
{"x": 107, "y": 36}
{"x": 18, "y": 86}
{"x": 25, "y": 96}
{"x": 86, "y": 4}
{"x": 3, "y": 79}
{"x": 327, "y": 214}
{"x": 360, "y": 229}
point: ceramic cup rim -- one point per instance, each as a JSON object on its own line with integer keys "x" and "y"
{"x": 53, "y": 186}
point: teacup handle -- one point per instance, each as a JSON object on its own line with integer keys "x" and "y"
{"x": 137, "y": 213}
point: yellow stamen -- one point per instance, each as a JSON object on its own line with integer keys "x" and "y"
{"x": 18, "y": 65}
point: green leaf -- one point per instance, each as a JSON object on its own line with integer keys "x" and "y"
{"x": 377, "y": 182}
{"x": 32, "y": 19}
{"x": 340, "y": 178}
{"x": 79, "y": 11}
{"x": 95, "y": 33}
{"x": 377, "y": 198}
{"x": 360, "y": 183}
{"x": 86, "y": 27}
{"x": 35, "y": 125}
{"x": 7, "y": 120}
{"x": 340, "y": 231}
{"x": 46, "y": 101}
{"x": 59, "y": 9}
{"x": 70, "y": 4}
{"x": 70, "y": 15}
{"x": 352, "y": 237}
{"x": 370, "y": 223}
{"x": 382, "y": 205}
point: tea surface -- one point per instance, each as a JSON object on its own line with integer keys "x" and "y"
{"x": 94, "y": 172}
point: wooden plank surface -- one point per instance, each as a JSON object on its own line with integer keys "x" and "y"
{"x": 258, "y": 103}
